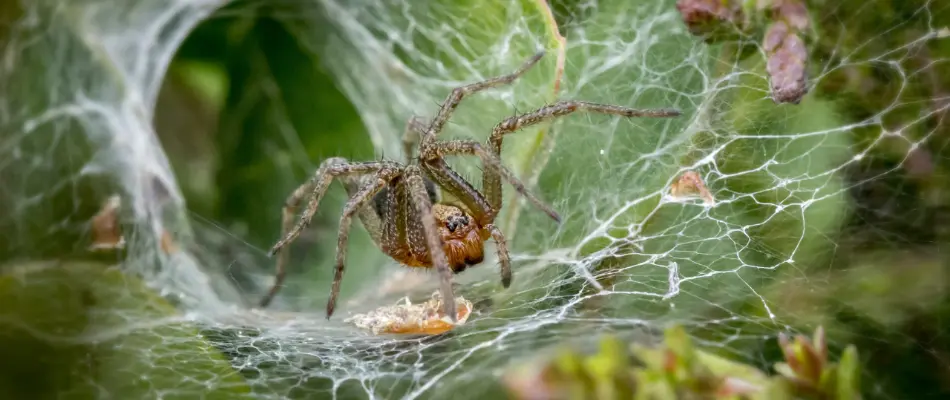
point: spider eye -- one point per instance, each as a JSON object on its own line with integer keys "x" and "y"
{"x": 456, "y": 221}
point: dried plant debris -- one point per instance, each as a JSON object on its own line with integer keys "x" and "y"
{"x": 167, "y": 243}
{"x": 786, "y": 50}
{"x": 426, "y": 318}
{"x": 711, "y": 18}
{"x": 787, "y": 20}
{"x": 106, "y": 231}
{"x": 691, "y": 184}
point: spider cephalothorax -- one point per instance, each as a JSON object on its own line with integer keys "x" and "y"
{"x": 463, "y": 239}
{"x": 399, "y": 203}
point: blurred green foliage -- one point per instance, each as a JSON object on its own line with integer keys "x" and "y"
{"x": 676, "y": 369}
{"x": 87, "y": 330}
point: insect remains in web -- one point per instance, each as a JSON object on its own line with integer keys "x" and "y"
{"x": 691, "y": 184}
{"x": 426, "y": 318}
{"x": 400, "y": 204}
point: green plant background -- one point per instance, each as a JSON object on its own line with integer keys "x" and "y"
{"x": 259, "y": 93}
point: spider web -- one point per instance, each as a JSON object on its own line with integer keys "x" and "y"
{"x": 80, "y": 87}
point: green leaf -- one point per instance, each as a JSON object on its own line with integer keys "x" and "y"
{"x": 88, "y": 330}
{"x": 848, "y": 384}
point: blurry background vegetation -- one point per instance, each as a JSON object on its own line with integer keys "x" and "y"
{"x": 244, "y": 101}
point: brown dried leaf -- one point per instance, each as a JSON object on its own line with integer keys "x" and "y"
{"x": 704, "y": 17}
{"x": 106, "y": 231}
{"x": 786, "y": 63}
{"x": 168, "y": 243}
{"x": 787, "y": 56}
{"x": 792, "y": 11}
{"x": 690, "y": 183}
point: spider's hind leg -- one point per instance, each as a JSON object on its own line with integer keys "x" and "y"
{"x": 313, "y": 189}
{"x": 358, "y": 203}
{"x": 452, "y": 101}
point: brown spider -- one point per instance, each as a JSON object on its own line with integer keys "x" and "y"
{"x": 399, "y": 203}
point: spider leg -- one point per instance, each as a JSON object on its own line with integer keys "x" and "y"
{"x": 415, "y": 128}
{"x": 501, "y": 246}
{"x": 491, "y": 182}
{"x": 314, "y": 189}
{"x": 420, "y": 198}
{"x": 454, "y": 98}
{"x": 354, "y": 205}
{"x": 441, "y": 171}
{"x": 565, "y": 107}
{"x": 369, "y": 215}
{"x": 451, "y": 182}
{"x": 480, "y": 209}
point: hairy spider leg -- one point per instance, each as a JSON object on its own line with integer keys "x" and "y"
{"x": 411, "y": 137}
{"x": 441, "y": 172}
{"x": 313, "y": 189}
{"x": 450, "y": 181}
{"x": 501, "y": 248}
{"x": 354, "y": 205}
{"x": 415, "y": 129}
{"x": 417, "y": 191}
{"x": 494, "y": 171}
{"x": 452, "y": 101}
{"x": 438, "y": 171}
{"x": 461, "y": 189}
{"x": 491, "y": 183}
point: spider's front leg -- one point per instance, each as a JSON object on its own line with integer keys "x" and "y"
{"x": 491, "y": 179}
{"x": 481, "y": 210}
{"x": 493, "y": 166}
{"x": 420, "y": 198}
{"x": 458, "y": 94}
{"x": 495, "y": 171}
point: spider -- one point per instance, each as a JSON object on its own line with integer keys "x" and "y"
{"x": 399, "y": 203}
